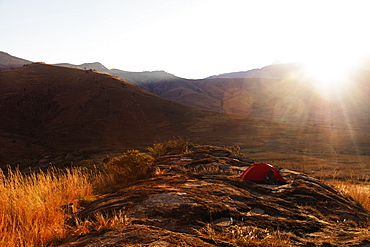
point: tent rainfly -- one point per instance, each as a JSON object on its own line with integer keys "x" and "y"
{"x": 262, "y": 172}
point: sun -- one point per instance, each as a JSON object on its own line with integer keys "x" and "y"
{"x": 330, "y": 77}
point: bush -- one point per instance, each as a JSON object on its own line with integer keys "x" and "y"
{"x": 176, "y": 145}
{"x": 131, "y": 166}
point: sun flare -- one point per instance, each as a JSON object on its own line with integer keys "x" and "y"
{"x": 330, "y": 77}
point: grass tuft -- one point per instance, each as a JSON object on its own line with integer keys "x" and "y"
{"x": 101, "y": 222}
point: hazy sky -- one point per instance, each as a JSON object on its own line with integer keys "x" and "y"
{"x": 188, "y": 38}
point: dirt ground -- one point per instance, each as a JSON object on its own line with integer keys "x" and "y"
{"x": 202, "y": 190}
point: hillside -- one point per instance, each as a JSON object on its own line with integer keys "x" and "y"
{"x": 282, "y": 93}
{"x": 49, "y": 109}
{"x": 8, "y": 61}
{"x": 310, "y": 119}
{"x": 199, "y": 199}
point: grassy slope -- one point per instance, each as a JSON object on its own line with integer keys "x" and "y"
{"x": 50, "y": 108}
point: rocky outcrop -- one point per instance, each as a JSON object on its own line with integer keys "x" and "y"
{"x": 171, "y": 209}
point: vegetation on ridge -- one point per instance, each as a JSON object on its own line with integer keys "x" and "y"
{"x": 177, "y": 144}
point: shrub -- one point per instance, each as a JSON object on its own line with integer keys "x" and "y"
{"x": 131, "y": 166}
{"x": 176, "y": 145}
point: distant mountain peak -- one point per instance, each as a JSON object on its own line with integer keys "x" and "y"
{"x": 8, "y": 61}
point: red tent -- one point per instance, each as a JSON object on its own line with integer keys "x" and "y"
{"x": 258, "y": 172}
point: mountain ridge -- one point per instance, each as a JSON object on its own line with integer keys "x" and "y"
{"x": 48, "y": 107}
{"x": 97, "y": 66}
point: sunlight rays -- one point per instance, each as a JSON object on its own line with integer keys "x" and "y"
{"x": 350, "y": 128}
{"x": 321, "y": 110}
{"x": 330, "y": 78}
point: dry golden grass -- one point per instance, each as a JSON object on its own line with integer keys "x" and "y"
{"x": 30, "y": 205}
{"x": 247, "y": 236}
{"x": 358, "y": 191}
